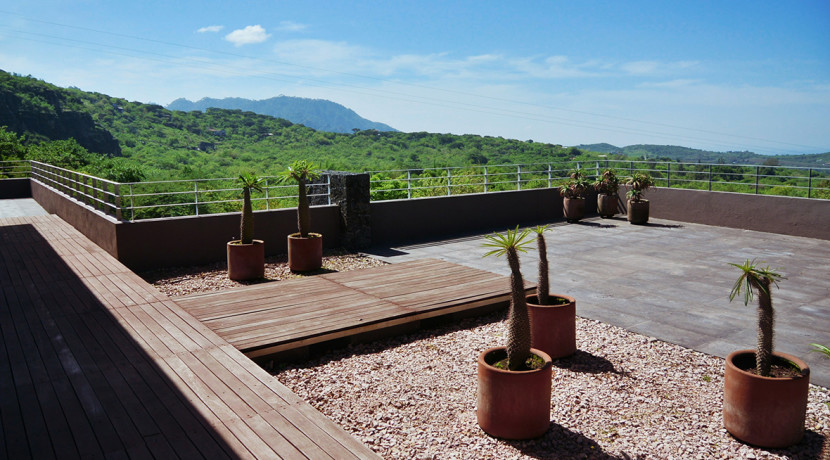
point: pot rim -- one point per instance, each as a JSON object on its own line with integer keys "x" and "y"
{"x": 803, "y": 366}
{"x": 570, "y": 300}
{"x": 311, "y": 236}
{"x": 239, "y": 243}
{"x": 545, "y": 357}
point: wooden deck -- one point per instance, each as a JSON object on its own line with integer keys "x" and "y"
{"x": 269, "y": 318}
{"x": 94, "y": 362}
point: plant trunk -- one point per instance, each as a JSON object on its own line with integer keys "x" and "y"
{"x": 246, "y": 227}
{"x": 543, "y": 287}
{"x": 302, "y": 209}
{"x": 763, "y": 356}
{"x": 518, "y": 340}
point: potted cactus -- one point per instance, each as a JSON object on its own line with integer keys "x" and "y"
{"x": 765, "y": 392}
{"x": 607, "y": 186}
{"x": 305, "y": 249}
{"x": 637, "y": 205}
{"x": 514, "y": 382}
{"x": 552, "y": 317}
{"x": 573, "y": 196}
{"x": 246, "y": 256}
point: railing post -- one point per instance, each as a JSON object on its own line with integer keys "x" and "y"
{"x": 810, "y": 189}
{"x": 132, "y": 203}
{"x": 550, "y": 176}
{"x": 519, "y": 177}
{"x": 668, "y": 174}
{"x": 196, "y": 195}
{"x": 267, "y": 202}
{"x": 597, "y": 169}
{"x": 449, "y": 181}
{"x": 409, "y": 184}
{"x": 117, "y": 192}
{"x": 757, "y": 172}
{"x": 710, "y": 177}
{"x": 485, "y": 179}
{"x": 630, "y": 168}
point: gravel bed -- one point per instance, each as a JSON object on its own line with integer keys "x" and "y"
{"x": 179, "y": 281}
{"x": 623, "y": 395}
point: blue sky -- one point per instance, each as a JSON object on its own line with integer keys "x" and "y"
{"x": 720, "y": 75}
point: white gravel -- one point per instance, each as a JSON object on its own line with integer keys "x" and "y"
{"x": 623, "y": 395}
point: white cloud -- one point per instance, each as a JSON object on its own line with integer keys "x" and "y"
{"x": 210, "y": 29}
{"x": 290, "y": 26}
{"x": 247, "y": 36}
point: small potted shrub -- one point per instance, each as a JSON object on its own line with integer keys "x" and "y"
{"x": 305, "y": 249}
{"x": 823, "y": 349}
{"x": 552, "y": 317}
{"x": 607, "y": 186}
{"x": 765, "y": 392}
{"x": 637, "y": 205}
{"x": 514, "y": 382}
{"x": 246, "y": 256}
{"x": 573, "y": 196}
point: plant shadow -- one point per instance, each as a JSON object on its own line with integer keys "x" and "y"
{"x": 584, "y": 362}
{"x": 663, "y": 225}
{"x": 561, "y": 443}
{"x": 594, "y": 224}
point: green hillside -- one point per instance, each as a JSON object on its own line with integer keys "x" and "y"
{"x": 690, "y": 155}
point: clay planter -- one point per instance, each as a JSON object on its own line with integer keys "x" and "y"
{"x": 305, "y": 254}
{"x": 607, "y": 205}
{"x": 553, "y": 327}
{"x": 638, "y": 212}
{"x": 764, "y": 411}
{"x": 573, "y": 208}
{"x": 513, "y": 404}
{"x": 246, "y": 261}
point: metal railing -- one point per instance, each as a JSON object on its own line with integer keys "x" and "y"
{"x": 148, "y": 200}
{"x": 101, "y": 194}
{"x": 756, "y": 179}
{"x": 15, "y": 169}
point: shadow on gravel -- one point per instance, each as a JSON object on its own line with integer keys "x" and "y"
{"x": 588, "y": 363}
{"x": 562, "y": 443}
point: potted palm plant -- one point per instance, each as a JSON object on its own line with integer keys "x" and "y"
{"x": 573, "y": 196}
{"x": 246, "y": 256}
{"x": 305, "y": 249}
{"x": 607, "y": 186}
{"x": 637, "y": 205}
{"x": 514, "y": 382}
{"x": 552, "y": 317}
{"x": 765, "y": 392}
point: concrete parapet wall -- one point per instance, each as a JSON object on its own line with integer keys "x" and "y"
{"x": 15, "y": 188}
{"x": 764, "y": 213}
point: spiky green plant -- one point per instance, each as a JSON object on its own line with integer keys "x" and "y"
{"x": 639, "y": 183}
{"x": 754, "y": 278}
{"x": 577, "y": 186}
{"x": 543, "y": 286}
{"x": 246, "y": 226}
{"x": 518, "y": 324}
{"x": 608, "y": 183}
{"x": 301, "y": 172}
{"x": 823, "y": 349}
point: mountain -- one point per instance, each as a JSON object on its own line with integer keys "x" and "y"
{"x": 45, "y": 112}
{"x": 319, "y": 114}
{"x": 690, "y": 155}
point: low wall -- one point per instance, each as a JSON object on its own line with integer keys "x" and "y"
{"x": 194, "y": 240}
{"x": 422, "y": 219}
{"x": 15, "y": 188}
{"x": 93, "y": 224}
{"x": 764, "y": 213}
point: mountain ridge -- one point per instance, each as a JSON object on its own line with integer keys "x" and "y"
{"x": 319, "y": 114}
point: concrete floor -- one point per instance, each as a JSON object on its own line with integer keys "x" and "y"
{"x": 671, "y": 280}
{"x": 20, "y": 207}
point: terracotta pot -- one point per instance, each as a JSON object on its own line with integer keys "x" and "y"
{"x": 553, "y": 327}
{"x": 764, "y": 411}
{"x": 246, "y": 261}
{"x": 305, "y": 254}
{"x": 607, "y": 205}
{"x": 513, "y": 404}
{"x": 638, "y": 212}
{"x": 573, "y": 208}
